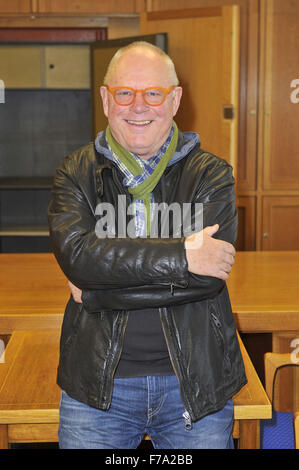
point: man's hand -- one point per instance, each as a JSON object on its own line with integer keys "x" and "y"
{"x": 76, "y": 293}
{"x": 208, "y": 256}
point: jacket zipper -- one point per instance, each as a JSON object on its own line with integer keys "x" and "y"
{"x": 187, "y": 418}
{"x": 219, "y": 330}
{"x": 119, "y": 354}
{"x": 186, "y": 415}
{"x": 218, "y": 325}
{"x": 73, "y": 328}
{"x": 172, "y": 285}
{"x": 184, "y": 284}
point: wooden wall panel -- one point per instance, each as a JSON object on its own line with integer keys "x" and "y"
{"x": 15, "y": 6}
{"x": 67, "y": 67}
{"x": 52, "y": 34}
{"x": 280, "y": 223}
{"x": 278, "y": 139}
{"x": 87, "y": 6}
{"x": 246, "y": 223}
{"x": 21, "y": 67}
{"x": 123, "y": 27}
{"x": 281, "y": 115}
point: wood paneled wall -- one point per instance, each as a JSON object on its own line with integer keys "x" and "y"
{"x": 278, "y": 150}
{"x": 268, "y": 152}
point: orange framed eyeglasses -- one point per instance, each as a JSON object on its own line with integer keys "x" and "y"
{"x": 153, "y": 96}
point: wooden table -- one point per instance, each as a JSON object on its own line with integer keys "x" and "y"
{"x": 33, "y": 292}
{"x": 29, "y": 396}
{"x": 263, "y": 288}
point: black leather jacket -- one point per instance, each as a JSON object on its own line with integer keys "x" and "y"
{"x": 119, "y": 274}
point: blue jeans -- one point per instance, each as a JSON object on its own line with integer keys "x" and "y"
{"x": 142, "y": 405}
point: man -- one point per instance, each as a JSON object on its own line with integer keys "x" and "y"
{"x": 148, "y": 342}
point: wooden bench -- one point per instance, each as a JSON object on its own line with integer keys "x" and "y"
{"x": 29, "y": 396}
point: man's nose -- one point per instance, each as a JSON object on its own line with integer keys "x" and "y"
{"x": 139, "y": 105}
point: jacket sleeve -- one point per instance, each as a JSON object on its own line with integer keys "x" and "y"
{"x": 90, "y": 262}
{"x": 216, "y": 194}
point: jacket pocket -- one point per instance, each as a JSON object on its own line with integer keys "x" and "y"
{"x": 220, "y": 337}
{"x": 71, "y": 331}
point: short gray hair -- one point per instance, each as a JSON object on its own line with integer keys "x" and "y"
{"x": 139, "y": 45}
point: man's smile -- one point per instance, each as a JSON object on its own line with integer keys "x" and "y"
{"x": 138, "y": 123}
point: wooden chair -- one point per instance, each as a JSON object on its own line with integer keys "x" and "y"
{"x": 279, "y": 431}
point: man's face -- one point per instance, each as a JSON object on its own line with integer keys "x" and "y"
{"x": 141, "y": 128}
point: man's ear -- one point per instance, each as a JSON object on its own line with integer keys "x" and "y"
{"x": 104, "y": 96}
{"x": 178, "y": 91}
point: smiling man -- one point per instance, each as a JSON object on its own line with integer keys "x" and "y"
{"x": 148, "y": 342}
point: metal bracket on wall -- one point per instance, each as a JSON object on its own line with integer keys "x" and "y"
{"x": 228, "y": 111}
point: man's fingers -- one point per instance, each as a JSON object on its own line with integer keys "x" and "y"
{"x": 76, "y": 293}
{"x": 228, "y": 247}
{"x": 227, "y": 268}
{"x": 223, "y": 275}
{"x": 229, "y": 259}
{"x": 232, "y": 250}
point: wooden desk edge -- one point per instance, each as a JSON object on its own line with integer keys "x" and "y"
{"x": 261, "y": 407}
{"x": 42, "y": 321}
{"x": 25, "y": 416}
{"x": 252, "y": 321}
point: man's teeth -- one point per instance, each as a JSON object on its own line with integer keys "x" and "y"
{"x": 139, "y": 123}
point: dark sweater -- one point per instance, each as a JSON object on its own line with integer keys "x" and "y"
{"x": 144, "y": 350}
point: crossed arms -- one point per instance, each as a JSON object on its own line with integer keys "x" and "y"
{"x": 95, "y": 264}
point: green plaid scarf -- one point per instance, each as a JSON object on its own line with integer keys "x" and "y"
{"x": 143, "y": 190}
